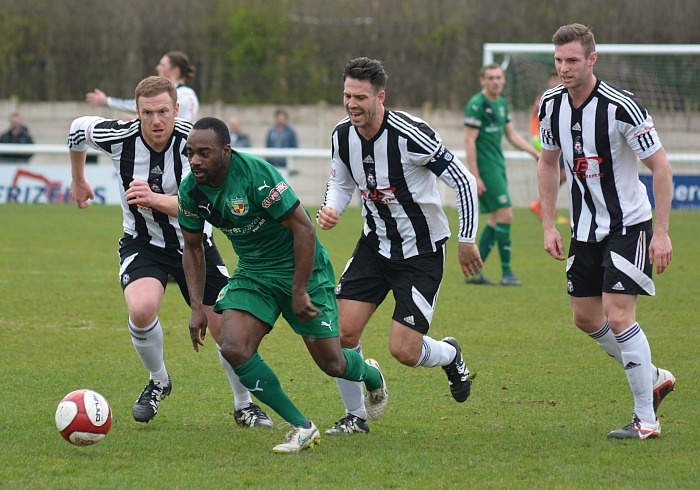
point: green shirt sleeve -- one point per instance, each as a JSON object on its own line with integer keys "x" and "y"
{"x": 187, "y": 214}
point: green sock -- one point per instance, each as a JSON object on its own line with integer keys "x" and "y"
{"x": 357, "y": 370}
{"x": 504, "y": 249}
{"x": 488, "y": 238}
{"x": 263, "y": 383}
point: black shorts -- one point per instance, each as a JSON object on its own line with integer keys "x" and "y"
{"x": 618, "y": 264}
{"x": 415, "y": 283}
{"x": 138, "y": 259}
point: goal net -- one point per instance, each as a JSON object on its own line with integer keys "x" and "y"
{"x": 663, "y": 76}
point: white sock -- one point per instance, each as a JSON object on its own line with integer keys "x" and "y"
{"x": 351, "y": 393}
{"x": 241, "y": 395}
{"x": 606, "y": 339}
{"x": 435, "y": 353}
{"x": 636, "y": 358}
{"x": 148, "y": 343}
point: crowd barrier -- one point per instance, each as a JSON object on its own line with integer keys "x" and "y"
{"x": 38, "y": 182}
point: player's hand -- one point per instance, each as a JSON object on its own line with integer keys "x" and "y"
{"x": 80, "y": 192}
{"x": 480, "y": 186}
{"x": 198, "y": 327}
{"x": 139, "y": 193}
{"x": 96, "y": 98}
{"x": 327, "y": 218}
{"x": 553, "y": 244}
{"x": 304, "y": 309}
{"x": 469, "y": 259}
{"x": 660, "y": 251}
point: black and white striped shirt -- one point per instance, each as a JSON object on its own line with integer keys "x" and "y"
{"x": 396, "y": 172}
{"x": 600, "y": 142}
{"x": 134, "y": 159}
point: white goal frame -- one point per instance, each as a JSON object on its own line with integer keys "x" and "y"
{"x": 491, "y": 49}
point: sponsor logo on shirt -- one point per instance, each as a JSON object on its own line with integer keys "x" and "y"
{"x": 472, "y": 121}
{"x": 643, "y": 131}
{"x": 588, "y": 167}
{"x": 384, "y": 196}
{"x": 185, "y": 212}
{"x": 274, "y": 195}
{"x": 251, "y": 227}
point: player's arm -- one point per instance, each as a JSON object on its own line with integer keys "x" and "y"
{"x": 548, "y": 186}
{"x": 339, "y": 192}
{"x": 660, "y": 249}
{"x": 80, "y": 188}
{"x": 304, "y": 234}
{"x": 452, "y": 172}
{"x": 193, "y": 263}
{"x": 96, "y": 98}
{"x": 470, "y": 135}
{"x": 78, "y": 142}
{"x": 518, "y": 141}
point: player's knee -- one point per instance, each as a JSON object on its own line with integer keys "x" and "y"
{"x": 349, "y": 340}
{"x": 404, "y": 355}
{"x": 620, "y": 321}
{"x": 142, "y": 317}
{"x": 234, "y": 353}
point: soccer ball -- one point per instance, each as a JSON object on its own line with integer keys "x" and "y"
{"x": 83, "y": 417}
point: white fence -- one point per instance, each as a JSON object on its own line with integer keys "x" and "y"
{"x": 47, "y": 177}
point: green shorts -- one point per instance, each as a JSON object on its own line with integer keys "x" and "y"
{"x": 267, "y": 297}
{"x": 496, "y": 195}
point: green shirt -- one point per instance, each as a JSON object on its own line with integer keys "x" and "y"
{"x": 490, "y": 118}
{"x": 247, "y": 208}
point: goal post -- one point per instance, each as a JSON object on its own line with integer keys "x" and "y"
{"x": 491, "y": 49}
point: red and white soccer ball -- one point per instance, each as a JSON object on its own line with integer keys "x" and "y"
{"x": 83, "y": 417}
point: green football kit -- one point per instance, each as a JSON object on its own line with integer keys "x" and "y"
{"x": 248, "y": 208}
{"x": 490, "y": 118}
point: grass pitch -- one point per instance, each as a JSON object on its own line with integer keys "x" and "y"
{"x": 543, "y": 400}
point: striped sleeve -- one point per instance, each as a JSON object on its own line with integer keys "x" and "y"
{"x": 80, "y": 135}
{"x": 463, "y": 183}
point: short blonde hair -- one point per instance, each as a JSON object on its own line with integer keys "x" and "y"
{"x": 575, "y": 32}
{"x": 153, "y": 86}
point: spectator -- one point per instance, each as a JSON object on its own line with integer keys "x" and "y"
{"x": 281, "y": 135}
{"x": 239, "y": 139}
{"x": 17, "y": 133}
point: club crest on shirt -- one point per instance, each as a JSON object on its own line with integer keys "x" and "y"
{"x": 238, "y": 206}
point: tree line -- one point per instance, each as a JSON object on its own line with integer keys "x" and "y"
{"x": 293, "y": 51}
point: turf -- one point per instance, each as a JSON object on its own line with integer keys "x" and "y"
{"x": 543, "y": 400}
